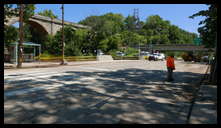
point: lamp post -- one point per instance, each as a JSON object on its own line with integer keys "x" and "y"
{"x": 63, "y": 60}
{"x": 19, "y": 61}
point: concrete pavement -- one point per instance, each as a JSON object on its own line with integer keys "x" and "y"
{"x": 205, "y": 107}
{"x": 105, "y": 92}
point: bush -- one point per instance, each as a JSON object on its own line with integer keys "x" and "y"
{"x": 113, "y": 52}
{"x": 198, "y": 56}
{"x": 169, "y": 54}
{"x": 187, "y": 56}
{"x": 131, "y": 52}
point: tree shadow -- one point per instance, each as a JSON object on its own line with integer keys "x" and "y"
{"x": 132, "y": 94}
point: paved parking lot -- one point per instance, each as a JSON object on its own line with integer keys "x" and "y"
{"x": 107, "y": 92}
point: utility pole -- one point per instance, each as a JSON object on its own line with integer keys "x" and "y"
{"x": 63, "y": 60}
{"x": 21, "y": 36}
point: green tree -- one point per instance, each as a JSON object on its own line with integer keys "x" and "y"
{"x": 174, "y": 35}
{"x": 132, "y": 39}
{"x": 13, "y": 9}
{"x": 48, "y": 13}
{"x": 27, "y": 33}
{"x": 8, "y": 11}
{"x": 75, "y": 42}
{"x": 103, "y": 27}
{"x": 159, "y": 29}
{"x": 10, "y": 35}
{"x": 111, "y": 43}
{"x": 111, "y": 31}
{"x": 208, "y": 33}
{"x": 95, "y": 22}
{"x": 130, "y": 23}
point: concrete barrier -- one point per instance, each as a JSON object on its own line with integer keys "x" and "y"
{"x": 104, "y": 58}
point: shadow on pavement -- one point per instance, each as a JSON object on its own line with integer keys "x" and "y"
{"x": 134, "y": 95}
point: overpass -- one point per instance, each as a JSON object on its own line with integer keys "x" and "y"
{"x": 175, "y": 47}
{"x": 179, "y": 47}
{"x": 45, "y": 24}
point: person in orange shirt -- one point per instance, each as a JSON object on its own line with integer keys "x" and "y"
{"x": 170, "y": 67}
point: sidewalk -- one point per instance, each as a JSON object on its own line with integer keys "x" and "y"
{"x": 31, "y": 65}
{"x": 205, "y": 107}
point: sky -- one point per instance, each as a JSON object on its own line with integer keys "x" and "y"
{"x": 177, "y": 14}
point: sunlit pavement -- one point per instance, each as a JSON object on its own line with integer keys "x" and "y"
{"x": 134, "y": 91}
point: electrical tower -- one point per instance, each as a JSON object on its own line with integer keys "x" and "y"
{"x": 137, "y": 19}
{"x": 137, "y": 24}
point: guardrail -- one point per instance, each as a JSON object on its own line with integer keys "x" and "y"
{"x": 70, "y": 58}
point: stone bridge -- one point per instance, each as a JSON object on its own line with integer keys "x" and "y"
{"x": 45, "y": 24}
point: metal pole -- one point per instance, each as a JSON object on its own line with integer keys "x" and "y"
{"x": 19, "y": 65}
{"x": 39, "y": 54}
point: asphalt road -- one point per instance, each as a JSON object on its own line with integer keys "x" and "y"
{"x": 133, "y": 91}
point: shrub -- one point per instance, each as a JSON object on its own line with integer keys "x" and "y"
{"x": 187, "y": 56}
{"x": 131, "y": 52}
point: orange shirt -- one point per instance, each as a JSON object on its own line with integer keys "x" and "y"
{"x": 170, "y": 62}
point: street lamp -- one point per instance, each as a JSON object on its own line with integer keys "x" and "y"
{"x": 63, "y": 62}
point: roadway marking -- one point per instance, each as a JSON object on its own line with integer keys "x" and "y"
{"x": 37, "y": 75}
{"x": 98, "y": 69}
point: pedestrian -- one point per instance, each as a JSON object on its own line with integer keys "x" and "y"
{"x": 170, "y": 67}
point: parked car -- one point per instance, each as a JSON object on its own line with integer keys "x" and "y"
{"x": 156, "y": 56}
{"x": 118, "y": 53}
{"x": 99, "y": 52}
{"x": 145, "y": 54}
{"x": 152, "y": 57}
{"x": 160, "y": 56}
{"x": 205, "y": 58}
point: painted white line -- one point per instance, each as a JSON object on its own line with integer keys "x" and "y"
{"x": 17, "y": 75}
{"x": 30, "y": 77}
{"x": 98, "y": 69}
{"x": 37, "y": 73}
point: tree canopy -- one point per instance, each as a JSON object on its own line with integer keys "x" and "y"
{"x": 10, "y": 32}
{"x": 48, "y": 13}
{"x": 13, "y": 9}
{"x": 123, "y": 31}
{"x": 208, "y": 31}
{"x": 111, "y": 31}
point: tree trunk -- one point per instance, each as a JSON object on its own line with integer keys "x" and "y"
{"x": 214, "y": 74}
{"x": 19, "y": 65}
{"x": 213, "y": 70}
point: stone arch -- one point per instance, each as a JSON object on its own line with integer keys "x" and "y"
{"x": 40, "y": 27}
{"x": 34, "y": 23}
